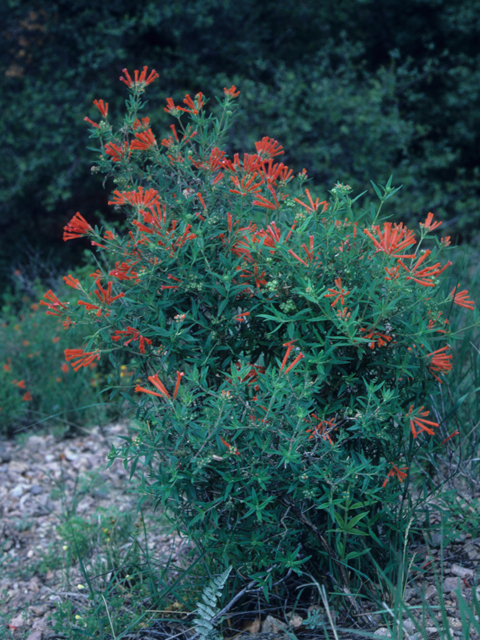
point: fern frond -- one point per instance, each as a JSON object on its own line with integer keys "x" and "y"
{"x": 207, "y": 610}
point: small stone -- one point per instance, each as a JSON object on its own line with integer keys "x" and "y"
{"x": 17, "y": 622}
{"x": 19, "y": 490}
{"x": 383, "y": 632}
{"x": 70, "y": 455}
{"x": 34, "y": 443}
{"x": 4, "y": 455}
{"x": 35, "y": 635}
{"x": 431, "y": 632}
{"x": 409, "y": 626}
{"x": 462, "y": 572}
{"x": 15, "y": 466}
{"x": 451, "y": 585}
{"x": 272, "y": 625}
{"x": 454, "y": 623}
{"x": 430, "y": 592}
{"x": 409, "y": 594}
{"x": 36, "y": 489}
{"x": 295, "y": 620}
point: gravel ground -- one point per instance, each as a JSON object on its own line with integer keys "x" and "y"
{"x": 41, "y": 479}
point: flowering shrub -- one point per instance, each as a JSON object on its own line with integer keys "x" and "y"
{"x": 282, "y": 347}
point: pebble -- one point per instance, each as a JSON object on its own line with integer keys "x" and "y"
{"x": 35, "y": 443}
{"x": 4, "y": 454}
{"x": 19, "y": 490}
{"x": 451, "y": 585}
{"x": 462, "y": 572}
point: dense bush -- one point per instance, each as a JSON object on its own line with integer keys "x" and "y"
{"x": 282, "y": 348}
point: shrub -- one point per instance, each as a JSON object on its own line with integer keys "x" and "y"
{"x": 282, "y": 347}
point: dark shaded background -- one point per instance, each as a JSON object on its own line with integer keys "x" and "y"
{"x": 354, "y": 91}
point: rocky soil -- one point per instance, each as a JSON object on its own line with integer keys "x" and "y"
{"x": 44, "y": 481}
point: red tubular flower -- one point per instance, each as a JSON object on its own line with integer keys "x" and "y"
{"x": 339, "y": 294}
{"x": 80, "y": 358}
{"x": 67, "y": 323}
{"x": 229, "y": 446}
{"x": 143, "y": 124}
{"x": 72, "y": 282}
{"x": 294, "y": 363}
{"x": 54, "y": 305}
{"x": 139, "y": 80}
{"x": 309, "y": 253}
{"x": 20, "y": 384}
{"x": 455, "y": 433}
{"x": 76, "y": 228}
{"x": 135, "y": 337}
{"x": 393, "y": 273}
{"x": 289, "y": 346}
{"x": 392, "y": 242}
{"x": 171, "y": 108}
{"x": 139, "y": 199}
{"x": 268, "y": 148}
{"x": 102, "y": 107}
{"x": 157, "y": 384}
{"x": 143, "y": 141}
{"x": 428, "y": 223}
{"x": 124, "y": 271}
{"x": 259, "y": 279}
{"x": 200, "y": 197}
{"x": 246, "y": 185}
{"x": 441, "y": 361}
{"x": 271, "y": 172}
{"x": 424, "y": 425}
{"x": 241, "y": 316}
{"x": 8, "y": 366}
{"x": 193, "y": 108}
{"x": 314, "y": 206}
{"x": 424, "y": 276}
{"x": 375, "y": 336}
{"x": 297, "y": 257}
{"x": 461, "y": 298}
{"x": 215, "y": 160}
{"x": 104, "y": 295}
{"x": 322, "y": 429}
{"x": 177, "y": 385}
{"x": 91, "y": 307}
{"x": 94, "y": 124}
{"x": 27, "y": 396}
{"x": 116, "y": 151}
{"x": 263, "y": 202}
{"x": 398, "y": 472}
{"x": 232, "y": 92}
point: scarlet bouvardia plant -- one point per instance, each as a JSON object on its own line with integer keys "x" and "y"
{"x": 282, "y": 348}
